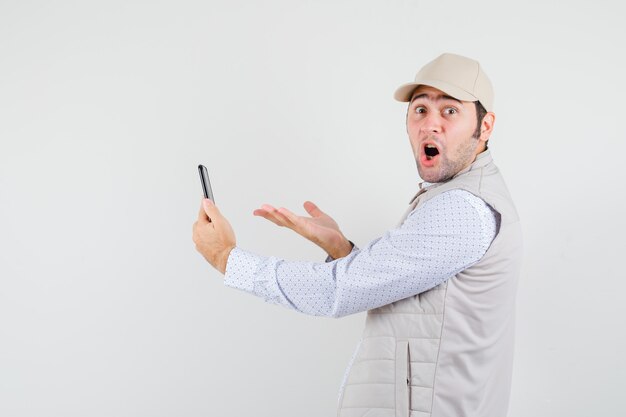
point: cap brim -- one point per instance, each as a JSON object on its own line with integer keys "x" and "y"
{"x": 405, "y": 91}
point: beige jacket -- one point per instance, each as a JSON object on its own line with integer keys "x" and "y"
{"x": 446, "y": 352}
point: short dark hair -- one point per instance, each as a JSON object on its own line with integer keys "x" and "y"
{"x": 480, "y": 115}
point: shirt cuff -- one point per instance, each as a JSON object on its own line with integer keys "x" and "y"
{"x": 241, "y": 268}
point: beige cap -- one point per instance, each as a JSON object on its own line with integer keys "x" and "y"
{"x": 460, "y": 77}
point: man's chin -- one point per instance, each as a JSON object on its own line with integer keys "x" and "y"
{"x": 428, "y": 175}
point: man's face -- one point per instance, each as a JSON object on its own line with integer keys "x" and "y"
{"x": 440, "y": 129}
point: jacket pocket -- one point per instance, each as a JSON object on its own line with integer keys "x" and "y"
{"x": 403, "y": 379}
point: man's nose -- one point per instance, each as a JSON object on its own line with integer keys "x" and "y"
{"x": 431, "y": 123}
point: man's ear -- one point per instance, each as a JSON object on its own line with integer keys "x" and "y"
{"x": 486, "y": 126}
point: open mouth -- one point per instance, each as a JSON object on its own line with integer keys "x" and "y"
{"x": 430, "y": 151}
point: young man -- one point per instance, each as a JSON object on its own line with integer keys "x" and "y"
{"x": 439, "y": 288}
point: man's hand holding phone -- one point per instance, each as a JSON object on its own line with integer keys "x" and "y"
{"x": 213, "y": 235}
{"x": 320, "y": 228}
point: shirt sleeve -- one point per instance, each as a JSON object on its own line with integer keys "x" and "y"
{"x": 442, "y": 237}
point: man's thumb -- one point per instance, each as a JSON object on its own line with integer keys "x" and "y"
{"x": 312, "y": 209}
{"x": 210, "y": 209}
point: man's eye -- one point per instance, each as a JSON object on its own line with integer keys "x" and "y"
{"x": 420, "y": 109}
{"x": 450, "y": 110}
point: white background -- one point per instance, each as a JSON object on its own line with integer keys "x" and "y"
{"x": 106, "y": 109}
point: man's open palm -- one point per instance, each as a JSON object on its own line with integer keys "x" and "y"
{"x": 320, "y": 228}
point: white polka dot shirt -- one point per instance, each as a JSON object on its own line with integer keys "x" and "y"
{"x": 442, "y": 237}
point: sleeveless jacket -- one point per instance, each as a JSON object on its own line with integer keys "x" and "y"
{"x": 447, "y": 352}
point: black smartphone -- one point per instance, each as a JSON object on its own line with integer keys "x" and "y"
{"x": 206, "y": 184}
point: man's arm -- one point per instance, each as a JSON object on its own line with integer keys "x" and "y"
{"x": 439, "y": 239}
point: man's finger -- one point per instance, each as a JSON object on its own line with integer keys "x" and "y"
{"x": 290, "y": 218}
{"x": 278, "y": 218}
{"x": 270, "y": 213}
{"x": 266, "y": 215}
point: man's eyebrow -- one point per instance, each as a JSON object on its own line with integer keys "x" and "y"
{"x": 443, "y": 97}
